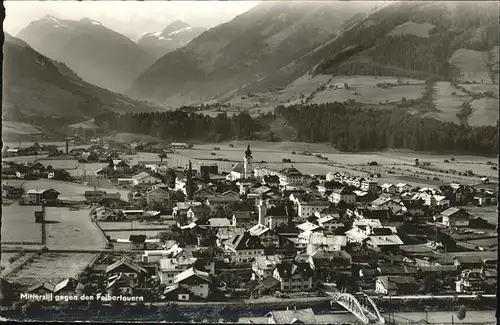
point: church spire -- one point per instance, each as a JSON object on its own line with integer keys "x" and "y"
{"x": 248, "y": 152}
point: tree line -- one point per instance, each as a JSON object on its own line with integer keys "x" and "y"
{"x": 352, "y": 128}
{"x": 180, "y": 124}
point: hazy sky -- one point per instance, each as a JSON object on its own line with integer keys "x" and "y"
{"x": 131, "y": 18}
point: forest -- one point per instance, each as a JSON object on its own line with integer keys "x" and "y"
{"x": 351, "y": 128}
{"x": 182, "y": 125}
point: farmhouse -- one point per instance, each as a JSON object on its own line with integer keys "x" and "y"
{"x": 263, "y": 266}
{"x": 38, "y": 196}
{"x": 154, "y": 166}
{"x": 120, "y": 284}
{"x": 455, "y": 217}
{"x": 171, "y": 267}
{"x": 307, "y": 208}
{"x": 267, "y": 237}
{"x": 294, "y": 276}
{"x": 190, "y": 284}
{"x": 132, "y": 270}
{"x": 396, "y": 285}
{"x": 290, "y": 176}
{"x": 243, "y": 247}
{"x": 158, "y": 195}
{"x": 137, "y": 241}
{"x": 241, "y": 219}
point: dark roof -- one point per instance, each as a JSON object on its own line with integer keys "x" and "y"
{"x": 291, "y": 171}
{"x": 244, "y": 241}
{"x": 287, "y": 269}
{"x": 266, "y": 284}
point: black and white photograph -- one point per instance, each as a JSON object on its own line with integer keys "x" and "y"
{"x": 250, "y": 162}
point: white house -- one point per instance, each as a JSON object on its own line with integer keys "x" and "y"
{"x": 342, "y": 194}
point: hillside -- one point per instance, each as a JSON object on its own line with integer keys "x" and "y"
{"x": 36, "y": 86}
{"x": 257, "y": 50}
{"x": 174, "y": 36}
{"x": 97, "y": 54}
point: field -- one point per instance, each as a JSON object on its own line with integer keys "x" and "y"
{"x": 126, "y": 234}
{"x": 363, "y": 89}
{"x": 472, "y": 64}
{"x": 66, "y": 189}
{"x": 105, "y": 225}
{"x": 484, "y": 112}
{"x": 68, "y": 229}
{"x": 412, "y": 28}
{"x": 89, "y": 169}
{"x": 60, "y": 164}
{"x": 23, "y": 159}
{"x": 447, "y": 104}
{"x": 18, "y": 128}
{"x": 51, "y": 267}
{"x": 18, "y": 224}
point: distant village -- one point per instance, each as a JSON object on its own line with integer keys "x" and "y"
{"x": 256, "y": 231}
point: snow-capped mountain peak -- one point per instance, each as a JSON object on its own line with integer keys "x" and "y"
{"x": 185, "y": 29}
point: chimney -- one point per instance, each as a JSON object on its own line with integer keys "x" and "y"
{"x": 189, "y": 185}
{"x": 67, "y": 146}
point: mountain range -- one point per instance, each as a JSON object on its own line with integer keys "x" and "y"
{"x": 34, "y": 85}
{"x": 274, "y": 44}
{"x": 174, "y": 36}
{"x": 299, "y": 48}
{"x": 96, "y": 53}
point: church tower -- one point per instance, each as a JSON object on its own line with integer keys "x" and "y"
{"x": 248, "y": 163}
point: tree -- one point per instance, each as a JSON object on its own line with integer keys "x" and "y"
{"x": 162, "y": 156}
{"x": 461, "y": 313}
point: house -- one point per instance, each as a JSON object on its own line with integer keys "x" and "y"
{"x": 290, "y": 176}
{"x": 468, "y": 262}
{"x": 241, "y": 219}
{"x": 198, "y": 212}
{"x": 327, "y": 264}
{"x": 391, "y": 270}
{"x": 237, "y": 172}
{"x": 219, "y": 222}
{"x": 388, "y": 203}
{"x": 243, "y": 247}
{"x": 389, "y": 188}
{"x": 385, "y": 242}
{"x": 403, "y": 187}
{"x": 369, "y": 185}
{"x": 263, "y": 266}
{"x": 37, "y": 196}
{"x": 94, "y": 196}
{"x": 154, "y": 166}
{"x": 102, "y": 213}
{"x": 120, "y": 284}
{"x": 342, "y": 194}
{"x": 307, "y": 208}
{"x": 295, "y": 316}
{"x": 266, "y": 286}
{"x": 454, "y": 217}
{"x": 396, "y": 285}
{"x": 331, "y": 223}
{"x": 130, "y": 269}
{"x": 328, "y": 243}
{"x": 413, "y": 207}
{"x": 144, "y": 178}
{"x": 481, "y": 199}
{"x": 267, "y": 237}
{"x": 158, "y": 195}
{"x": 190, "y": 284}
{"x": 171, "y": 267}
{"x": 137, "y": 241}
{"x": 294, "y": 276}
{"x": 441, "y": 201}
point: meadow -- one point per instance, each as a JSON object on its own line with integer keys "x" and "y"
{"x": 68, "y": 229}
{"x": 51, "y": 267}
{"x": 448, "y": 100}
{"x": 18, "y": 223}
{"x": 472, "y": 64}
{"x": 484, "y": 112}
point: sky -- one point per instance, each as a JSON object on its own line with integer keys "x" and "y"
{"x": 130, "y": 18}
